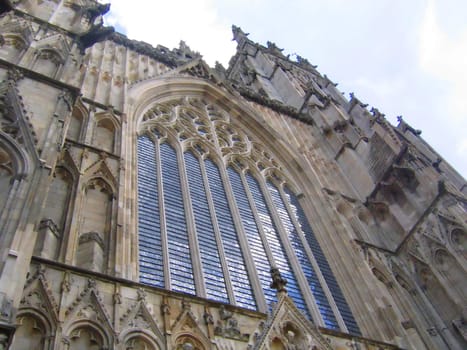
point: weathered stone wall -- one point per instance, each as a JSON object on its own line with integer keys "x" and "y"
{"x": 387, "y": 211}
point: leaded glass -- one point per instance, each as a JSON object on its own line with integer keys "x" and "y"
{"x": 322, "y": 263}
{"x": 181, "y": 271}
{"x": 251, "y": 230}
{"x": 280, "y": 258}
{"x": 210, "y": 260}
{"x": 234, "y": 256}
{"x": 151, "y": 268}
{"x": 310, "y": 274}
{"x": 266, "y": 215}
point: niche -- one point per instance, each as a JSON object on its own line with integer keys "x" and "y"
{"x": 138, "y": 343}
{"x": 30, "y": 334}
{"x": 104, "y": 135}
{"x": 47, "y": 62}
{"x": 95, "y": 226}
{"x": 54, "y": 214}
{"x": 85, "y": 338}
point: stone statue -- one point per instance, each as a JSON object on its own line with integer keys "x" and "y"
{"x": 278, "y": 282}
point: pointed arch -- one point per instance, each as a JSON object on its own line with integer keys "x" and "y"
{"x": 189, "y": 114}
{"x": 37, "y": 316}
{"x": 13, "y": 47}
{"x": 78, "y": 121}
{"x": 141, "y": 340}
{"x": 17, "y": 132}
{"x": 17, "y": 154}
{"x": 87, "y": 334}
{"x": 55, "y": 213}
{"x": 187, "y": 331}
{"x": 451, "y": 271}
{"x": 50, "y": 55}
{"x": 101, "y": 170}
{"x": 289, "y": 329}
{"x": 87, "y": 321}
{"x": 105, "y": 132}
{"x": 48, "y": 61}
{"x": 17, "y": 35}
{"x": 95, "y": 227}
{"x": 68, "y": 162}
{"x": 14, "y": 167}
{"x": 138, "y": 338}
{"x": 34, "y": 331}
{"x": 435, "y": 291}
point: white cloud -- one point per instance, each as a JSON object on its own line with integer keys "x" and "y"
{"x": 377, "y": 38}
{"x": 443, "y": 55}
{"x": 445, "y": 58}
{"x": 168, "y": 22}
{"x": 462, "y": 147}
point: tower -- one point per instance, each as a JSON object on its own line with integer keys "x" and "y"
{"x": 150, "y": 201}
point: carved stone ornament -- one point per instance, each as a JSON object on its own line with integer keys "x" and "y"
{"x": 6, "y": 308}
{"x": 89, "y": 305}
{"x": 228, "y": 327}
{"x": 287, "y": 326}
{"x": 278, "y": 282}
{"x": 139, "y": 316}
{"x": 14, "y": 119}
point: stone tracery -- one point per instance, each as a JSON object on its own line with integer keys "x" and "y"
{"x": 204, "y": 133}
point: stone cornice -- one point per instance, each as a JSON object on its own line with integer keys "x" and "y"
{"x": 172, "y": 58}
{"x": 98, "y": 276}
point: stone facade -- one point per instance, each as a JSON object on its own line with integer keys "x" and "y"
{"x": 387, "y": 211}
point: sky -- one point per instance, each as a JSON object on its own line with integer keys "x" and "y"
{"x": 403, "y": 57}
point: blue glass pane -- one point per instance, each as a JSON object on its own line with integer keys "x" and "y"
{"x": 254, "y": 240}
{"x": 210, "y": 260}
{"x": 181, "y": 271}
{"x": 235, "y": 262}
{"x": 310, "y": 274}
{"x": 149, "y": 235}
{"x": 280, "y": 258}
{"x": 336, "y": 292}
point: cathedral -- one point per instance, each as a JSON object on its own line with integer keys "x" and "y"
{"x": 149, "y": 201}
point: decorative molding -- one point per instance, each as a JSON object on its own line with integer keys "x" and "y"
{"x": 290, "y": 327}
{"x": 38, "y": 295}
{"x": 139, "y": 318}
{"x": 89, "y": 305}
{"x": 172, "y": 58}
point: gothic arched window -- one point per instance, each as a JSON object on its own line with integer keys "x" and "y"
{"x": 215, "y": 214}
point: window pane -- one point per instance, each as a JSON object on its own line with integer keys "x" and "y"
{"x": 233, "y": 253}
{"x": 310, "y": 274}
{"x": 254, "y": 240}
{"x": 181, "y": 271}
{"x": 212, "y": 269}
{"x": 280, "y": 258}
{"x": 149, "y": 237}
{"x": 322, "y": 263}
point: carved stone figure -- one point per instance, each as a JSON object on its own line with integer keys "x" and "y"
{"x": 278, "y": 282}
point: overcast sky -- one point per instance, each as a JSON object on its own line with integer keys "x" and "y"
{"x": 403, "y": 57}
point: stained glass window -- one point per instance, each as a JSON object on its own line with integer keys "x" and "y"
{"x": 195, "y": 211}
{"x": 151, "y": 269}
{"x": 210, "y": 259}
